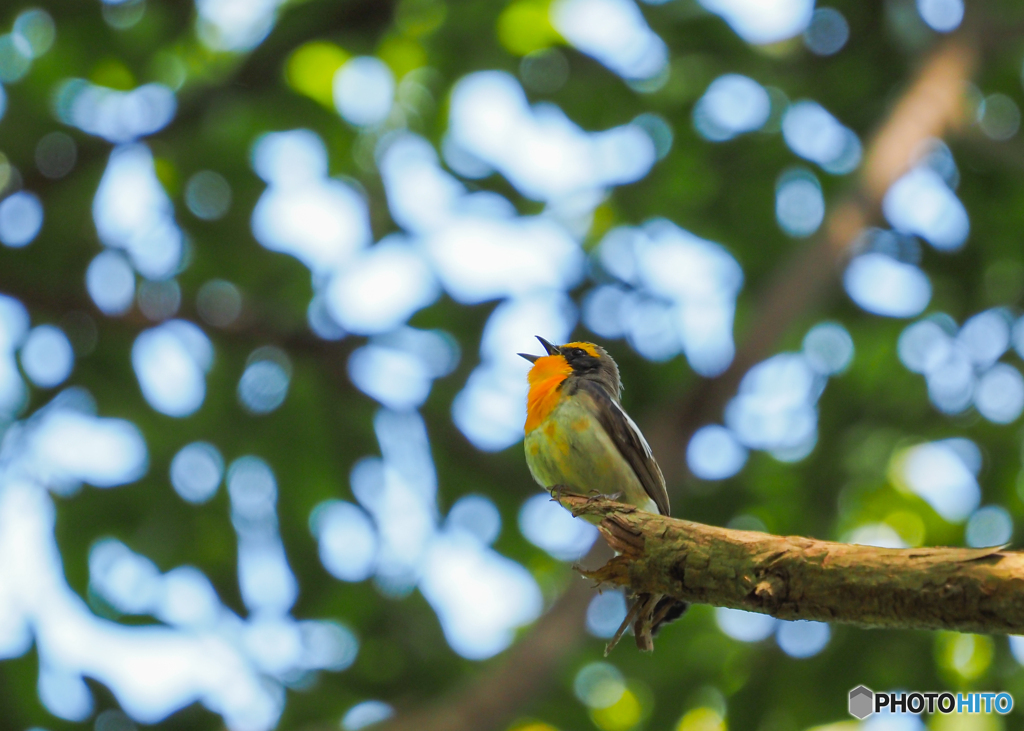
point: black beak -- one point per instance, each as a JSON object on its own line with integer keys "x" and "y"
{"x": 552, "y": 349}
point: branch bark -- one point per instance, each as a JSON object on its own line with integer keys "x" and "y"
{"x": 790, "y": 577}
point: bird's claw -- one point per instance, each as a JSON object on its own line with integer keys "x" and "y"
{"x": 560, "y": 491}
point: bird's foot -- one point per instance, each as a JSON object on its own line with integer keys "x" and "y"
{"x": 647, "y": 614}
{"x": 560, "y": 491}
{"x": 630, "y": 616}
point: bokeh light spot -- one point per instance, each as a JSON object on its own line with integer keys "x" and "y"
{"x": 231, "y": 26}
{"x": 999, "y": 395}
{"x": 544, "y": 71}
{"x": 311, "y": 69}
{"x": 999, "y": 117}
{"x": 133, "y": 212}
{"x": 701, "y": 719}
{"x": 802, "y": 638}
{"x": 985, "y": 337}
{"x": 115, "y": 115}
{"x": 814, "y": 134}
{"x": 827, "y": 33}
{"x": 524, "y": 27}
{"x": 124, "y": 14}
{"x": 76, "y": 447}
{"x": 21, "y": 217}
{"x": 56, "y": 154}
{"x": 15, "y": 58}
{"x": 745, "y": 626}
{"x": 599, "y": 685}
{"x": 170, "y": 362}
{"x": 922, "y": 203}
{"x": 264, "y": 383}
{"x": 615, "y": 33}
{"x": 47, "y": 356}
{"x": 799, "y": 203}
{"x": 476, "y": 515}
{"x": 384, "y": 286}
{"x": 967, "y": 656}
{"x": 549, "y": 526}
{"x": 36, "y": 28}
{"x": 659, "y": 130}
{"x": 763, "y": 21}
{"x": 364, "y": 89}
{"x": 111, "y": 282}
{"x": 622, "y": 715}
{"x": 128, "y": 581}
{"x": 159, "y": 300}
{"x": 714, "y": 453}
{"x": 732, "y": 105}
{"x": 208, "y": 195}
{"x": 989, "y": 526}
{"x": 347, "y": 540}
{"x": 828, "y": 348}
{"x": 884, "y": 286}
{"x": 938, "y": 473}
{"x": 219, "y": 302}
{"x": 328, "y": 645}
{"x": 942, "y": 15}
{"x": 366, "y": 714}
{"x": 605, "y": 613}
{"x": 196, "y": 472}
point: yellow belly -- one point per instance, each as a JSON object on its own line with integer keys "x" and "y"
{"x": 571, "y": 448}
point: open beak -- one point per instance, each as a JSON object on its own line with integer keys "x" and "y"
{"x": 551, "y": 350}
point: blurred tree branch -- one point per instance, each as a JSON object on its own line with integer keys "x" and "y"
{"x": 493, "y": 698}
{"x": 790, "y": 577}
{"x": 931, "y": 106}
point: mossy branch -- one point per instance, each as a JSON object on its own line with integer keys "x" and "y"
{"x": 789, "y": 577}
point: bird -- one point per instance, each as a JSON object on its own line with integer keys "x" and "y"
{"x": 579, "y": 437}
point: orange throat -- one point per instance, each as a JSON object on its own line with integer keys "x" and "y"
{"x": 545, "y": 379}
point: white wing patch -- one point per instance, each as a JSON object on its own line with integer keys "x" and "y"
{"x": 636, "y": 430}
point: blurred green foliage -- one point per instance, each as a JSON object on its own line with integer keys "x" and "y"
{"x": 724, "y": 192}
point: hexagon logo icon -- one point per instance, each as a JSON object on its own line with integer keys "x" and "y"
{"x": 862, "y": 702}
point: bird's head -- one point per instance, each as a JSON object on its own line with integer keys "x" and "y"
{"x": 586, "y": 360}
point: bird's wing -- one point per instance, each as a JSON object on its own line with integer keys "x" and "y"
{"x": 630, "y": 442}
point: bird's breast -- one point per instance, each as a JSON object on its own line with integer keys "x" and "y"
{"x": 570, "y": 447}
{"x": 543, "y": 398}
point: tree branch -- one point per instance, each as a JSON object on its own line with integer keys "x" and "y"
{"x": 962, "y": 589}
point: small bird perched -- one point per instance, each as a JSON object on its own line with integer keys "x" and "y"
{"x": 578, "y": 436}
